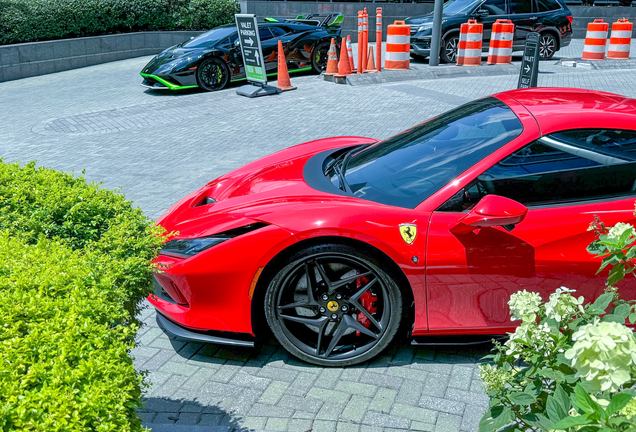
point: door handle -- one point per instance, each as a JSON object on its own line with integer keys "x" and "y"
{"x": 534, "y": 18}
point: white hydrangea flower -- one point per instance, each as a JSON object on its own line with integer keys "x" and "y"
{"x": 617, "y": 230}
{"x": 562, "y": 304}
{"x": 524, "y": 306}
{"x": 604, "y": 353}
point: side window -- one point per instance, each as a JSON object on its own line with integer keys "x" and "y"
{"x": 520, "y": 6}
{"x": 495, "y": 7}
{"x": 562, "y": 167}
{"x": 278, "y": 31}
{"x": 264, "y": 33}
{"x": 229, "y": 41}
{"x": 547, "y": 5}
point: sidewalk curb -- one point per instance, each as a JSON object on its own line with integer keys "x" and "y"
{"x": 438, "y": 72}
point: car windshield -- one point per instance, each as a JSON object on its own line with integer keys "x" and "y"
{"x": 460, "y": 7}
{"x": 408, "y": 168}
{"x": 208, "y": 38}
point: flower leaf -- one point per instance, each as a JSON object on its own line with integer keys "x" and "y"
{"x": 570, "y": 422}
{"x": 495, "y": 418}
{"x": 617, "y": 403}
{"x": 603, "y": 301}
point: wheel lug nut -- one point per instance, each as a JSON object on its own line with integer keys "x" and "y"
{"x": 334, "y": 316}
{"x": 325, "y": 297}
{"x": 322, "y": 310}
{"x": 338, "y": 296}
{"x": 345, "y": 308}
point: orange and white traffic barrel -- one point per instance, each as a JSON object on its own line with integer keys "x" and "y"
{"x": 620, "y": 40}
{"x": 501, "y": 39}
{"x": 595, "y": 40}
{"x": 398, "y": 46}
{"x": 470, "y": 42}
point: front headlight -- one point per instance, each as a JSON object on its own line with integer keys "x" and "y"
{"x": 427, "y": 26}
{"x": 185, "y": 248}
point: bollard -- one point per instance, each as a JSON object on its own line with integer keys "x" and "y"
{"x": 378, "y": 37}
{"x": 360, "y": 20}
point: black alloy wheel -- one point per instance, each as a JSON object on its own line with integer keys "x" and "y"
{"x": 319, "y": 57}
{"x": 213, "y": 74}
{"x": 333, "y": 306}
{"x": 449, "y": 49}
{"x": 547, "y": 46}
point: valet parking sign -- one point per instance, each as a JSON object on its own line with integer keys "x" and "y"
{"x": 251, "y": 48}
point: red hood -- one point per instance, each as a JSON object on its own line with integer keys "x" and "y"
{"x": 249, "y": 193}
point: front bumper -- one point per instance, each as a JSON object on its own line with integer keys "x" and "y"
{"x": 181, "y": 332}
{"x": 156, "y": 82}
{"x": 421, "y": 46}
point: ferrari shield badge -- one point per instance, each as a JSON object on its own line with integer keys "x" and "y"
{"x": 408, "y": 232}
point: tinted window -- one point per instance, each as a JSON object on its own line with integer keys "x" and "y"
{"x": 495, "y": 7}
{"x": 229, "y": 42}
{"x": 562, "y": 167}
{"x": 407, "y": 168}
{"x": 211, "y": 37}
{"x": 521, "y": 6}
{"x": 278, "y": 31}
{"x": 547, "y": 5}
{"x": 264, "y": 33}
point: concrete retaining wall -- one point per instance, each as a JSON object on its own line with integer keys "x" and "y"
{"x": 397, "y": 11}
{"x": 38, "y": 58}
{"x": 586, "y": 14}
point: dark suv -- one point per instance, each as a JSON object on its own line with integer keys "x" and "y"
{"x": 551, "y": 18}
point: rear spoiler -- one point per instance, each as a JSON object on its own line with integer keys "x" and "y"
{"x": 321, "y": 20}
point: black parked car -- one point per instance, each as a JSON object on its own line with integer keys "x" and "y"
{"x": 551, "y": 18}
{"x": 213, "y": 59}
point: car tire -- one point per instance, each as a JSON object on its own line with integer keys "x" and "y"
{"x": 448, "y": 52}
{"x": 352, "y": 314}
{"x": 212, "y": 74}
{"x": 319, "y": 57}
{"x": 547, "y": 46}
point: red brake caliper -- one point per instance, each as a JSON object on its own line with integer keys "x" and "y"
{"x": 367, "y": 301}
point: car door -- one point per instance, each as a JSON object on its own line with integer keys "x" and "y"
{"x": 270, "y": 45}
{"x": 524, "y": 16}
{"x": 564, "y": 179}
{"x": 489, "y": 12}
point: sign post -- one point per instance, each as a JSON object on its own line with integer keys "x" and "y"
{"x": 530, "y": 64}
{"x": 253, "y": 60}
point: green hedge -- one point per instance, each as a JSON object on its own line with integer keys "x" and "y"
{"x": 74, "y": 265}
{"x": 33, "y": 20}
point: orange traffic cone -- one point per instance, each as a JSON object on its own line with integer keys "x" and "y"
{"x": 283, "y": 75}
{"x": 344, "y": 67}
{"x": 370, "y": 64}
{"x": 332, "y": 63}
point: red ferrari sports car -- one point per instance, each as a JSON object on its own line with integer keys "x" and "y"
{"x": 339, "y": 243}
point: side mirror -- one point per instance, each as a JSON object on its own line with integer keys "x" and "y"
{"x": 481, "y": 13}
{"x": 491, "y": 210}
{"x": 237, "y": 43}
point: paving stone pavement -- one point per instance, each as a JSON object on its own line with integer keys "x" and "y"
{"x": 159, "y": 146}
